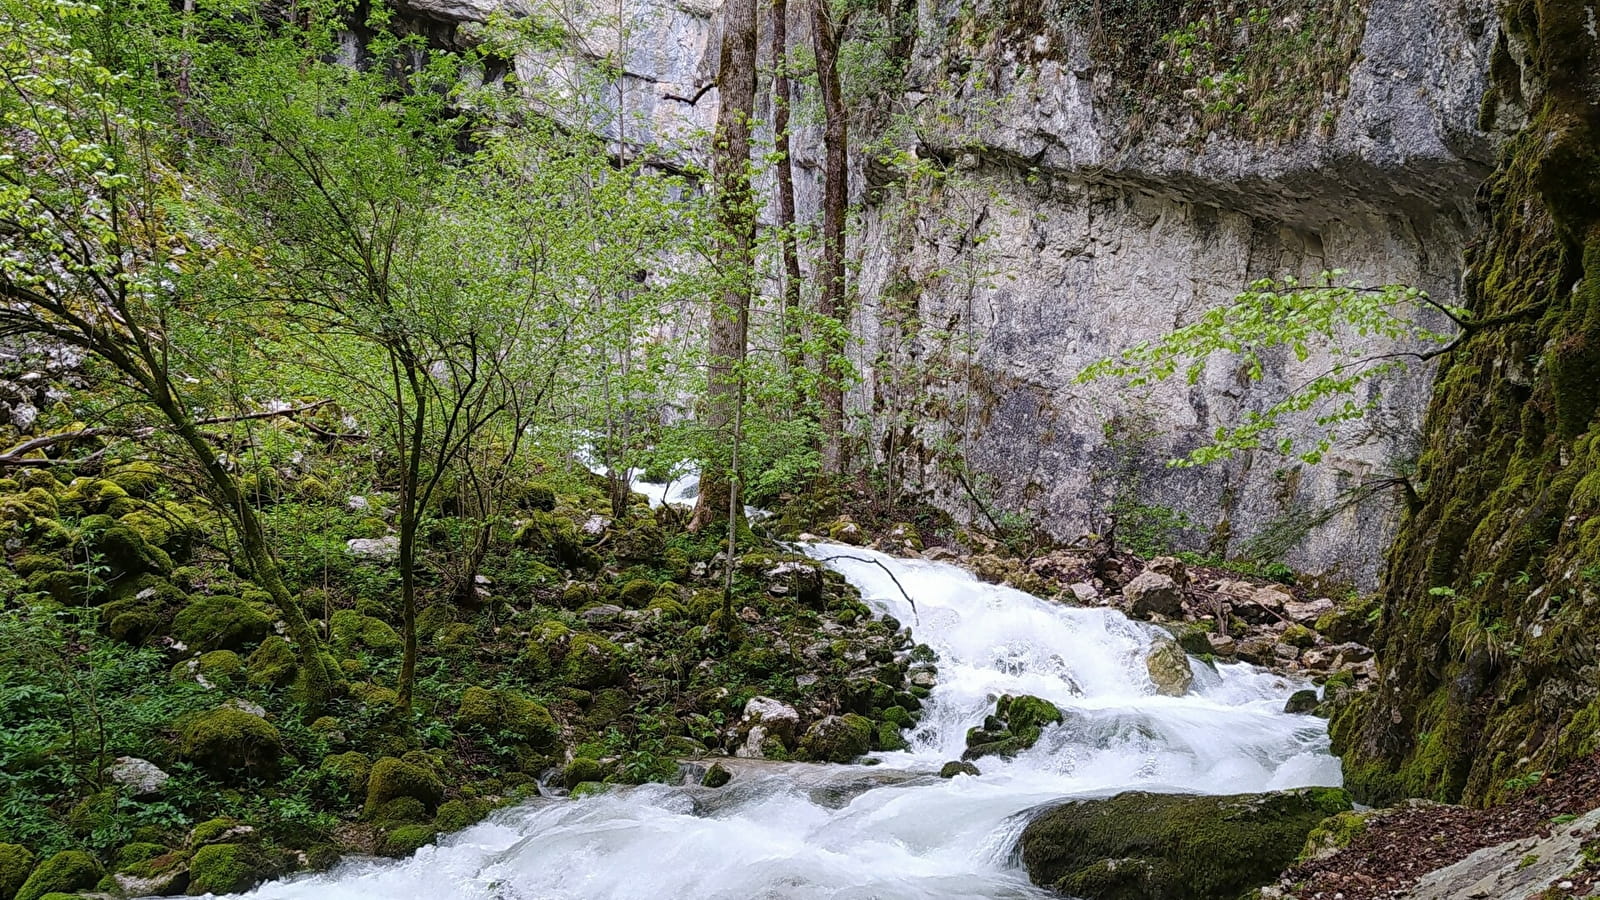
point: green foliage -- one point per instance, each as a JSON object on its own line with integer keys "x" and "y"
{"x": 1299, "y": 320}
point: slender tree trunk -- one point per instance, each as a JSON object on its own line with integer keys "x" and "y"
{"x": 782, "y": 91}
{"x": 316, "y": 678}
{"x": 833, "y": 307}
{"x": 411, "y": 502}
{"x": 736, "y": 227}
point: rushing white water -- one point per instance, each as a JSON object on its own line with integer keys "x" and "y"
{"x": 853, "y": 832}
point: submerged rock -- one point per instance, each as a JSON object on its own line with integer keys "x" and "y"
{"x": 1169, "y": 668}
{"x": 958, "y": 767}
{"x": 1015, "y": 726}
{"x": 1172, "y": 847}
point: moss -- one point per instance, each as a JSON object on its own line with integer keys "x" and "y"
{"x": 213, "y": 831}
{"x": 128, "y": 553}
{"x": 400, "y": 811}
{"x": 138, "y": 478}
{"x": 1298, "y": 636}
{"x": 435, "y": 617}
{"x": 507, "y": 713}
{"x": 350, "y": 630}
{"x": 888, "y": 738}
{"x": 67, "y": 871}
{"x": 838, "y": 739}
{"x": 391, "y": 778}
{"x": 220, "y": 623}
{"x": 406, "y": 840}
{"x": 636, "y": 594}
{"x": 1333, "y": 834}
{"x": 537, "y": 497}
{"x": 350, "y": 770}
{"x": 456, "y": 636}
{"x": 588, "y": 789}
{"x": 1172, "y": 847}
{"x": 580, "y": 770}
{"x": 219, "y": 666}
{"x": 231, "y": 744}
{"x": 171, "y": 530}
{"x": 138, "y": 852}
{"x": 591, "y": 662}
{"x": 458, "y": 814}
{"x": 716, "y": 776}
{"x": 273, "y": 663}
{"x": 15, "y": 863}
{"x": 224, "y": 869}
{"x": 958, "y": 767}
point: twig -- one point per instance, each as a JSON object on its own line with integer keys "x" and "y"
{"x": 917, "y": 616}
{"x": 17, "y": 456}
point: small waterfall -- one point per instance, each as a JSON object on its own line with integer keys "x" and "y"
{"x": 794, "y": 832}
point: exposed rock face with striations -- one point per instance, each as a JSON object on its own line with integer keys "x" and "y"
{"x": 1088, "y": 205}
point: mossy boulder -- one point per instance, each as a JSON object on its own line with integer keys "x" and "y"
{"x": 67, "y": 872}
{"x": 581, "y": 769}
{"x": 351, "y": 631}
{"x": 138, "y": 478}
{"x": 592, "y": 662}
{"x": 220, "y": 623}
{"x": 636, "y": 594}
{"x": 1142, "y": 846}
{"x": 1016, "y": 725}
{"x": 837, "y": 739}
{"x": 16, "y": 861}
{"x": 224, "y": 869}
{"x": 393, "y": 778}
{"x": 350, "y": 770}
{"x": 405, "y": 840}
{"x": 273, "y": 663}
{"x": 219, "y": 666}
{"x": 1168, "y": 667}
{"x": 231, "y": 744}
{"x": 127, "y": 552}
{"x": 507, "y": 713}
{"x": 138, "y": 852}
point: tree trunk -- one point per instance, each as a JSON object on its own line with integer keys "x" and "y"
{"x": 782, "y": 91}
{"x": 832, "y": 307}
{"x": 316, "y": 677}
{"x": 736, "y": 229}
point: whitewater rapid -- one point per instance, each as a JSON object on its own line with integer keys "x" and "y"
{"x": 797, "y": 832}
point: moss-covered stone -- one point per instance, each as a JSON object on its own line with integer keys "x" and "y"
{"x": 405, "y": 840}
{"x": 591, "y": 662}
{"x": 716, "y": 776}
{"x": 350, "y": 631}
{"x": 506, "y": 713}
{"x": 958, "y": 767}
{"x": 1015, "y": 726}
{"x": 350, "y": 770}
{"x": 636, "y": 594}
{"x": 219, "y": 666}
{"x": 136, "y": 478}
{"x": 67, "y": 872}
{"x": 231, "y": 744}
{"x": 837, "y": 739}
{"x": 138, "y": 852}
{"x": 16, "y": 861}
{"x": 273, "y": 663}
{"x": 391, "y": 778}
{"x": 220, "y": 623}
{"x": 1141, "y": 846}
{"x": 455, "y": 815}
{"x": 581, "y": 769}
{"x": 224, "y": 869}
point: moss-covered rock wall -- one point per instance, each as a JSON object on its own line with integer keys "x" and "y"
{"x": 1492, "y": 598}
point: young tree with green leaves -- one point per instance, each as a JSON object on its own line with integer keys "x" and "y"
{"x": 735, "y": 263}
{"x": 1324, "y": 315}
{"x": 97, "y": 252}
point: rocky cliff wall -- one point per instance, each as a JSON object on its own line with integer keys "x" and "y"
{"x": 1092, "y": 195}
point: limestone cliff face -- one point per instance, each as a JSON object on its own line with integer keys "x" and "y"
{"x": 1084, "y": 223}
{"x": 1491, "y": 603}
{"x": 1094, "y": 197}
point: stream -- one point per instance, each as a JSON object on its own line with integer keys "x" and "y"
{"x": 894, "y": 830}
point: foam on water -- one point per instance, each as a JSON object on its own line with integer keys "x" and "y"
{"x": 776, "y": 835}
